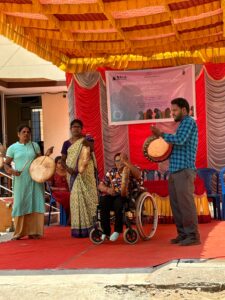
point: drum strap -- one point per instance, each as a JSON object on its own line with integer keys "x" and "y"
{"x": 34, "y": 149}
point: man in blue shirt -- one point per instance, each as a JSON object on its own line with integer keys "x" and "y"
{"x": 182, "y": 173}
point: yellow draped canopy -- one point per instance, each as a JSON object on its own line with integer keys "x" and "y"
{"x": 81, "y": 35}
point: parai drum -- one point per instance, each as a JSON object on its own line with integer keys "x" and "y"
{"x": 42, "y": 168}
{"x": 157, "y": 149}
{"x": 125, "y": 182}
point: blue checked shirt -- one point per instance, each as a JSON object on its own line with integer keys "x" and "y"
{"x": 185, "y": 142}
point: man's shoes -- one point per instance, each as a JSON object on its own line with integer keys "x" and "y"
{"x": 177, "y": 240}
{"x": 190, "y": 241}
{"x": 114, "y": 236}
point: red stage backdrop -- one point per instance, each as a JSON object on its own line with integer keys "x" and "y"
{"x": 89, "y": 104}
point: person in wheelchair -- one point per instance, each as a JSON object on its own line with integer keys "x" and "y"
{"x": 113, "y": 196}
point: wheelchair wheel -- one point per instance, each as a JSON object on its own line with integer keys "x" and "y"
{"x": 130, "y": 236}
{"x": 95, "y": 236}
{"x": 146, "y": 215}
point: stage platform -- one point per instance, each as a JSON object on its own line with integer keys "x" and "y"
{"x": 57, "y": 250}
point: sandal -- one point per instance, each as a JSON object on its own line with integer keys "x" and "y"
{"x": 15, "y": 238}
{"x": 34, "y": 237}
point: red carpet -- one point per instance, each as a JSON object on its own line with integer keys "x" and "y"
{"x": 58, "y": 250}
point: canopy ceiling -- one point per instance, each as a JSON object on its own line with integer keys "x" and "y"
{"x": 80, "y": 35}
{"x": 18, "y": 63}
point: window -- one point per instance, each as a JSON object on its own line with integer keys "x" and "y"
{"x": 37, "y": 124}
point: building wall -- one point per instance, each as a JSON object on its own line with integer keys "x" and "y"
{"x": 55, "y": 121}
{"x": 13, "y": 119}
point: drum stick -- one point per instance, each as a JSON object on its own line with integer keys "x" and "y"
{"x": 25, "y": 166}
{"x": 43, "y": 160}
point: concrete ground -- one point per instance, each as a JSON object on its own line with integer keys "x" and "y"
{"x": 178, "y": 279}
{"x": 184, "y": 279}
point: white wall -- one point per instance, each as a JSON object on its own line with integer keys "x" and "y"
{"x": 55, "y": 121}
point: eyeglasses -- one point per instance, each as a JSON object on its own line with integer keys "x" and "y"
{"x": 117, "y": 160}
{"x": 76, "y": 126}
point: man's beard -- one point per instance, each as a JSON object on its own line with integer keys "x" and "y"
{"x": 178, "y": 118}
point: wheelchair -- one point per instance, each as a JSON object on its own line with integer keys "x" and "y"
{"x": 140, "y": 218}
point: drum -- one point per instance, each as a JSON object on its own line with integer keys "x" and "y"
{"x": 83, "y": 159}
{"x": 125, "y": 182}
{"x": 157, "y": 149}
{"x": 42, "y": 168}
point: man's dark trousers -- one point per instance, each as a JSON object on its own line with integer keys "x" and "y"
{"x": 181, "y": 192}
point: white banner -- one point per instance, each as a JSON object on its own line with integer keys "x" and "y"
{"x": 145, "y": 96}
